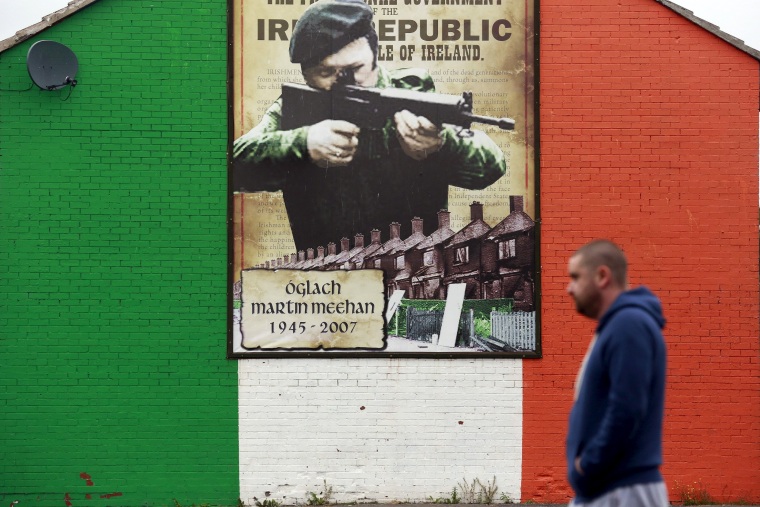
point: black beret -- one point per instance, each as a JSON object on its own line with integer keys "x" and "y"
{"x": 326, "y": 27}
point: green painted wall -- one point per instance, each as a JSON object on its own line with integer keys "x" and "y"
{"x": 113, "y": 264}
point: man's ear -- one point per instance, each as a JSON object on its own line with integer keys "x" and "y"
{"x": 603, "y": 276}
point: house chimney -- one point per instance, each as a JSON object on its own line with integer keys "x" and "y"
{"x": 279, "y": 262}
{"x": 301, "y": 256}
{"x": 285, "y": 259}
{"x": 416, "y": 225}
{"x": 395, "y": 230}
{"x": 266, "y": 264}
{"x": 331, "y": 248}
{"x": 359, "y": 241}
{"x": 344, "y": 245}
{"x": 375, "y": 235}
{"x": 476, "y": 211}
{"x": 309, "y": 254}
{"x": 444, "y": 219}
{"x": 515, "y": 203}
{"x": 320, "y": 252}
{"x": 293, "y": 258}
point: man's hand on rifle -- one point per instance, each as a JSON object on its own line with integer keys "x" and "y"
{"x": 332, "y": 143}
{"x": 418, "y": 136}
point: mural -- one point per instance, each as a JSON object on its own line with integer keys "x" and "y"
{"x": 383, "y": 178}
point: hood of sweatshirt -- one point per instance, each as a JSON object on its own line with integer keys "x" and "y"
{"x": 640, "y": 297}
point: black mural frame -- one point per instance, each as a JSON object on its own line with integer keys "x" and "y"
{"x": 537, "y": 353}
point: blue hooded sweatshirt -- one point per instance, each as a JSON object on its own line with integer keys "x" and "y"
{"x": 616, "y": 421}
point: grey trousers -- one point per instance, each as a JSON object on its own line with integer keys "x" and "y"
{"x": 654, "y": 494}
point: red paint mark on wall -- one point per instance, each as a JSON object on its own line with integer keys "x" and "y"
{"x": 88, "y": 480}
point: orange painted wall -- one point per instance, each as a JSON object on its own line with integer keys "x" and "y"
{"x": 649, "y": 137}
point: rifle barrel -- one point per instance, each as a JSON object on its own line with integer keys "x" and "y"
{"x": 502, "y": 123}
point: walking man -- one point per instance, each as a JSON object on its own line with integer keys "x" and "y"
{"x": 614, "y": 441}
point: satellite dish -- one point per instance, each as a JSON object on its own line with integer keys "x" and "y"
{"x": 51, "y": 65}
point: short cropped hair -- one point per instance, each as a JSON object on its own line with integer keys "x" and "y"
{"x": 603, "y": 252}
{"x": 328, "y": 26}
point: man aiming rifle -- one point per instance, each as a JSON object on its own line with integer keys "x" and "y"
{"x": 339, "y": 179}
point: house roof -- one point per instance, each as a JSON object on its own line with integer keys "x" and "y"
{"x": 439, "y": 236}
{"x": 76, "y": 5}
{"x": 517, "y": 221}
{"x": 365, "y": 252}
{"x": 714, "y": 29}
{"x": 388, "y": 247}
{"x": 474, "y": 229}
{"x": 46, "y": 22}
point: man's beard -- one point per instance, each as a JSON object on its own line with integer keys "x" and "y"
{"x": 589, "y": 307}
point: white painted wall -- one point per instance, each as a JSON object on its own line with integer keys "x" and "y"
{"x": 376, "y": 429}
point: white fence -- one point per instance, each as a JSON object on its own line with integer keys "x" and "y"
{"x": 518, "y": 329}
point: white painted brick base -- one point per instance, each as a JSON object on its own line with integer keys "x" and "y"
{"x": 378, "y": 430}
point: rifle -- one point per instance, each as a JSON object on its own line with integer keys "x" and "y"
{"x": 371, "y": 107}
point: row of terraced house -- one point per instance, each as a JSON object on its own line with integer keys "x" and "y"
{"x": 494, "y": 262}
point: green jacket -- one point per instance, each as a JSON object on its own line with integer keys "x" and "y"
{"x": 381, "y": 185}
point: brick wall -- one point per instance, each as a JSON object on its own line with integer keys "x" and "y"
{"x": 113, "y": 264}
{"x": 378, "y": 430}
{"x": 649, "y": 136}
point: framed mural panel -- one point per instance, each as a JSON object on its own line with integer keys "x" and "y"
{"x": 383, "y": 178}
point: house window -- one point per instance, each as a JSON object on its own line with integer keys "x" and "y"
{"x": 427, "y": 259}
{"x": 400, "y": 262}
{"x": 377, "y": 263}
{"x": 462, "y": 255}
{"x": 507, "y": 249}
